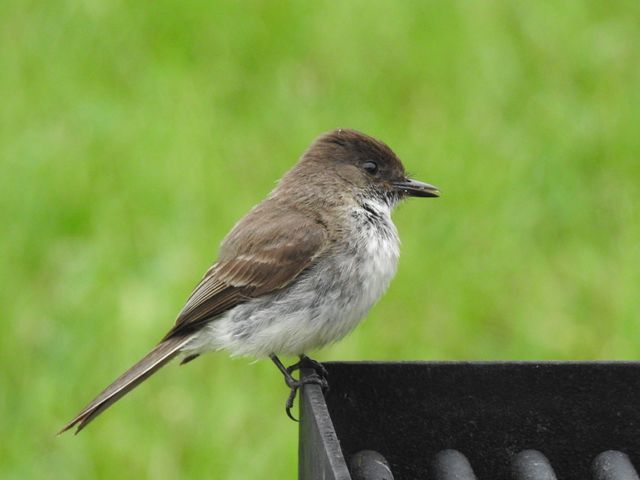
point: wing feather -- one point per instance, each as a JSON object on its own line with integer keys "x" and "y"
{"x": 264, "y": 252}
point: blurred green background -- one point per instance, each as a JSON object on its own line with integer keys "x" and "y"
{"x": 134, "y": 135}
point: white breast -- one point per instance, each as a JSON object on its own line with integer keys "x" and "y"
{"x": 377, "y": 257}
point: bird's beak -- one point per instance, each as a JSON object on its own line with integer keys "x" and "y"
{"x": 414, "y": 188}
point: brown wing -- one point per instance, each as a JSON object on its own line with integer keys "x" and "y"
{"x": 264, "y": 252}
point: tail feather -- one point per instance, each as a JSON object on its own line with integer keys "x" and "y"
{"x": 147, "y": 366}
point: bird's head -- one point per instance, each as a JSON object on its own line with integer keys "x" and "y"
{"x": 362, "y": 164}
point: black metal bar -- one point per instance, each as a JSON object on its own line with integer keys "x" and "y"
{"x": 532, "y": 465}
{"x": 369, "y": 465}
{"x": 319, "y": 455}
{"x": 613, "y": 465}
{"x": 409, "y": 412}
{"x": 451, "y": 465}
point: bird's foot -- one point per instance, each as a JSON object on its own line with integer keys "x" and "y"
{"x": 316, "y": 378}
{"x": 306, "y": 362}
{"x": 294, "y": 385}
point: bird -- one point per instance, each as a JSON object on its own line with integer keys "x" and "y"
{"x": 296, "y": 273}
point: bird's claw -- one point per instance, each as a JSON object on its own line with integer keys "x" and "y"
{"x": 306, "y": 362}
{"x": 316, "y": 378}
{"x": 294, "y": 385}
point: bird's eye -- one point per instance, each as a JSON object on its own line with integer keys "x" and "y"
{"x": 370, "y": 167}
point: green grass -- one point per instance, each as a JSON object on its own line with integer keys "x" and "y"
{"x": 133, "y": 136}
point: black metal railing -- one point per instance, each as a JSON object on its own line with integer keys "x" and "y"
{"x": 464, "y": 421}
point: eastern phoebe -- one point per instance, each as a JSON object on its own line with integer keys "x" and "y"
{"x": 299, "y": 271}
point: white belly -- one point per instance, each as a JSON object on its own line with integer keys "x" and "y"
{"x": 323, "y": 305}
